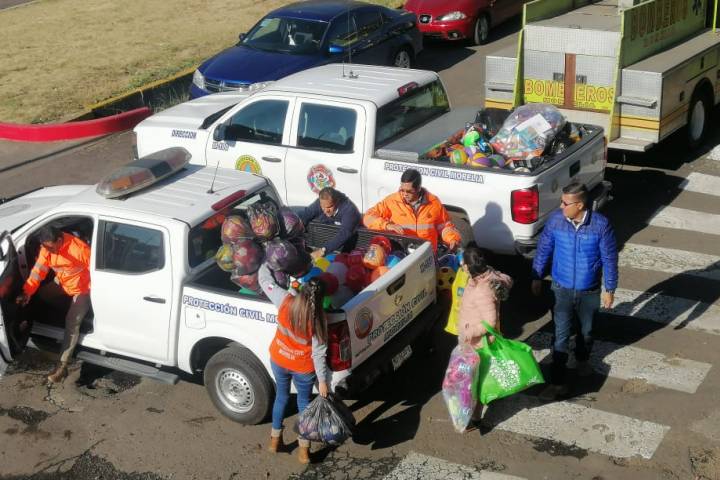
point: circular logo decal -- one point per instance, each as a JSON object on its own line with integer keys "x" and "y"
{"x": 363, "y": 322}
{"x": 320, "y": 177}
{"x": 247, "y": 163}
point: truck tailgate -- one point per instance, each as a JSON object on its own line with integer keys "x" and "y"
{"x": 391, "y": 303}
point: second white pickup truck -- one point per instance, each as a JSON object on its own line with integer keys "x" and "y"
{"x": 162, "y": 305}
{"x": 357, "y": 128}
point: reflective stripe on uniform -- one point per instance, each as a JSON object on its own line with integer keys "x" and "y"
{"x": 295, "y": 338}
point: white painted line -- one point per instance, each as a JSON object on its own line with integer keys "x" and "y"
{"x": 627, "y": 362}
{"x": 417, "y": 466}
{"x": 675, "y": 311}
{"x": 577, "y": 426}
{"x": 669, "y": 260}
{"x": 701, "y": 183}
{"x": 714, "y": 154}
{"x": 683, "y": 219}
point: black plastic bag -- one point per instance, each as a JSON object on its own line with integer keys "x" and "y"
{"x": 327, "y": 420}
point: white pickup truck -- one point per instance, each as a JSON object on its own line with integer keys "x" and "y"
{"x": 161, "y": 304}
{"x": 357, "y": 128}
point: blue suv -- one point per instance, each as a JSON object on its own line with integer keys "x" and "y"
{"x": 307, "y": 34}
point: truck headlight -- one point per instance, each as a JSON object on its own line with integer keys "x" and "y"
{"x": 449, "y": 17}
{"x": 198, "y": 79}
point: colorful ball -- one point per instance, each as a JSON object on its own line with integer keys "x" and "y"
{"x": 293, "y": 225}
{"x": 471, "y": 138}
{"x": 355, "y": 258}
{"x": 355, "y": 278}
{"x": 342, "y": 258}
{"x": 391, "y": 261}
{"x": 224, "y": 257}
{"x": 445, "y": 278}
{"x": 280, "y": 254}
{"x": 374, "y": 257}
{"x": 458, "y": 156}
{"x": 497, "y": 160}
{"x": 235, "y": 228}
{"x": 247, "y": 256}
{"x": 479, "y": 160}
{"x": 330, "y": 281}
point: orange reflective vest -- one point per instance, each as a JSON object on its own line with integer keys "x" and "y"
{"x": 289, "y": 349}
{"x": 430, "y": 222}
{"x": 71, "y": 265}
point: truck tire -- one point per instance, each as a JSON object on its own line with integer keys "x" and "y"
{"x": 403, "y": 58}
{"x": 698, "y": 119}
{"x": 239, "y": 385}
{"x": 481, "y": 31}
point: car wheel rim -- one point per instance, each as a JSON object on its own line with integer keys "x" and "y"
{"x": 697, "y": 121}
{"x": 402, "y": 59}
{"x": 235, "y": 391}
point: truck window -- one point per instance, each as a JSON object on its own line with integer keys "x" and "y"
{"x": 324, "y": 127}
{"x": 130, "y": 248}
{"x": 410, "y": 111}
{"x": 262, "y": 122}
{"x": 204, "y": 238}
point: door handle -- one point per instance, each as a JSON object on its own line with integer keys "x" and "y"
{"x": 154, "y": 299}
{"x": 272, "y": 159}
{"x": 347, "y": 170}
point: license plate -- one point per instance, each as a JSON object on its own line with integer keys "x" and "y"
{"x": 401, "y": 357}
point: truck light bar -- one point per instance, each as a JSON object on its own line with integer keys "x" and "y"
{"x": 143, "y": 173}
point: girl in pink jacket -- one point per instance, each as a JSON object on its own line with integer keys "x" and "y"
{"x": 481, "y": 298}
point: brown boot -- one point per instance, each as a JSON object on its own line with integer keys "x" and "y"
{"x": 59, "y": 374}
{"x": 303, "y": 451}
{"x": 276, "y": 441}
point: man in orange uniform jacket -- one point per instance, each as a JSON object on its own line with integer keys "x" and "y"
{"x": 69, "y": 257}
{"x": 414, "y": 211}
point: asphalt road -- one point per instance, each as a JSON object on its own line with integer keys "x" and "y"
{"x": 649, "y": 412}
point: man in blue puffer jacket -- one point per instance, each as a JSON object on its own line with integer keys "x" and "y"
{"x": 581, "y": 245}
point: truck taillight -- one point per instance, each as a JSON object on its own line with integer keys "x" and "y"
{"x": 524, "y": 204}
{"x": 339, "y": 352}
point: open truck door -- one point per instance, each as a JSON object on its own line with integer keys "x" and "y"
{"x": 14, "y": 330}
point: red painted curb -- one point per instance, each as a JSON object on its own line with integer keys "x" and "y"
{"x": 73, "y": 130}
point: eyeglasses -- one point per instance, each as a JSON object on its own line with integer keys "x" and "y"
{"x": 563, "y": 203}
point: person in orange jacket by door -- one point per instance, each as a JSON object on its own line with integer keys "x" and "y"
{"x": 69, "y": 258}
{"x": 414, "y": 211}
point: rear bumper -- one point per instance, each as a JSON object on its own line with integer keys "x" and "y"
{"x": 600, "y": 195}
{"x": 382, "y": 362}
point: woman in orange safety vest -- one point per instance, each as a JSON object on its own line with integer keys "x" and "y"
{"x": 297, "y": 352}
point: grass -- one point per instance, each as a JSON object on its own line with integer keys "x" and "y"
{"x": 59, "y": 56}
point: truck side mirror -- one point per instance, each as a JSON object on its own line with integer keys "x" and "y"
{"x": 335, "y": 49}
{"x": 219, "y": 132}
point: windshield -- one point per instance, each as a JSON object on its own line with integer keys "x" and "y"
{"x": 204, "y": 238}
{"x": 410, "y": 111}
{"x": 286, "y": 35}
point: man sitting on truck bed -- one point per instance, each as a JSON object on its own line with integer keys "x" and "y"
{"x": 334, "y": 208}
{"x": 414, "y": 211}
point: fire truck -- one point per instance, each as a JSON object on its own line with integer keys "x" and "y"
{"x": 640, "y": 69}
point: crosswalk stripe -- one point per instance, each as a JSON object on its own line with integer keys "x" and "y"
{"x": 684, "y": 219}
{"x": 675, "y": 311}
{"x": 418, "y": 466}
{"x": 628, "y": 362}
{"x": 577, "y": 426}
{"x": 701, "y": 183}
{"x": 669, "y": 260}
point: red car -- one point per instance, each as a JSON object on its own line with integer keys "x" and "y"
{"x": 462, "y": 19}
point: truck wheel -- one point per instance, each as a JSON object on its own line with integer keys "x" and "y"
{"x": 239, "y": 385}
{"x": 698, "y": 119}
{"x": 403, "y": 58}
{"x": 481, "y": 30}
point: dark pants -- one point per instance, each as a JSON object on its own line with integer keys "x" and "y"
{"x": 54, "y": 295}
{"x": 571, "y": 304}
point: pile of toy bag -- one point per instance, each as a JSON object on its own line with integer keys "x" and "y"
{"x": 520, "y": 142}
{"x": 266, "y": 233}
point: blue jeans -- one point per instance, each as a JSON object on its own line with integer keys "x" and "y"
{"x": 303, "y": 384}
{"x": 571, "y": 304}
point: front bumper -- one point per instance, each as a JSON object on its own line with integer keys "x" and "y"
{"x": 382, "y": 362}
{"x": 455, "y": 30}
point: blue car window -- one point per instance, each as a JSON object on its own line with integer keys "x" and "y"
{"x": 368, "y": 21}
{"x": 287, "y": 35}
{"x": 261, "y": 122}
{"x": 323, "y": 127}
{"x": 343, "y": 31}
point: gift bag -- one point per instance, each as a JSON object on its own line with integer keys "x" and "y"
{"x": 457, "y": 385}
{"x": 457, "y": 290}
{"x": 506, "y": 367}
{"x": 327, "y": 420}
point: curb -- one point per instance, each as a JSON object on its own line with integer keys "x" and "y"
{"x": 73, "y": 130}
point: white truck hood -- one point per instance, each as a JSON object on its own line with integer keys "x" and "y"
{"x": 191, "y": 115}
{"x": 21, "y": 210}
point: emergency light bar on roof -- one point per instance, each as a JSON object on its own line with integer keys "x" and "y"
{"x": 143, "y": 172}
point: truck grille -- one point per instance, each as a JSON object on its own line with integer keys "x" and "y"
{"x": 424, "y": 18}
{"x": 215, "y": 86}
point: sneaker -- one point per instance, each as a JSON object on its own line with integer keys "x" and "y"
{"x": 584, "y": 369}
{"x": 552, "y": 392}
